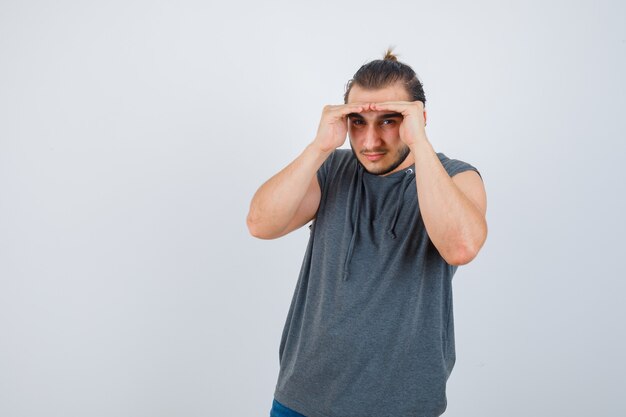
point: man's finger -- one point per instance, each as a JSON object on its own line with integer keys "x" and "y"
{"x": 353, "y": 108}
{"x": 343, "y": 110}
{"x": 399, "y": 106}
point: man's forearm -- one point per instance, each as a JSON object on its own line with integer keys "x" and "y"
{"x": 454, "y": 224}
{"x": 276, "y": 202}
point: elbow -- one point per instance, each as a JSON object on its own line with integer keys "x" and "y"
{"x": 460, "y": 258}
{"x": 256, "y": 230}
{"x": 254, "y": 224}
{"x": 253, "y": 228}
{"x": 467, "y": 251}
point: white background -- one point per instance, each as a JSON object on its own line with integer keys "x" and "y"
{"x": 134, "y": 133}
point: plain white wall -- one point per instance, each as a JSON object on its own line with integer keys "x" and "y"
{"x": 134, "y": 133}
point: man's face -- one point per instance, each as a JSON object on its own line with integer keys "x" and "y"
{"x": 374, "y": 136}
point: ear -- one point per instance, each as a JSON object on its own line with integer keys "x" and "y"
{"x": 424, "y": 118}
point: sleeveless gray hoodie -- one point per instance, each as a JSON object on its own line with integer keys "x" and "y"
{"x": 369, "y": 332}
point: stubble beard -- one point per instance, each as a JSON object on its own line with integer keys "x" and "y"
{"x": 401, "y": 156}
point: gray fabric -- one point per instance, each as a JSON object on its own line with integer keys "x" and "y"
{"x": 370, "y": 330}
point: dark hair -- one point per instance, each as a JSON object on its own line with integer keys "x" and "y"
{"x": 381, "y": 73}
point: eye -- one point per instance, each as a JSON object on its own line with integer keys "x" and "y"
{"x": 388, "y": 122}
{"x": 357, "y": 122}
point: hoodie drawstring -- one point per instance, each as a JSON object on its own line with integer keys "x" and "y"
{"x": 357, "y": 209}
{"x": 355, "y": 216}
{"x": 406, "y": 183}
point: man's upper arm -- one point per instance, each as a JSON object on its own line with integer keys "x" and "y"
{"x": 471, "y": 184}
{"x": 308, "y": 207}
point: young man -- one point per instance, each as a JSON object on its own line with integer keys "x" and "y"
{"x": 370, "y": 332}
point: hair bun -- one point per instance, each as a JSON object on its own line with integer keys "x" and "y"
{"x": 389, "y": 56}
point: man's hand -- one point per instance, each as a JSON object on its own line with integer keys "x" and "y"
{"x": 333, "y": 127}
{"x": 452, "y": 208}
{"x": 412, "y": 128}
{"x": 291, "y": 198}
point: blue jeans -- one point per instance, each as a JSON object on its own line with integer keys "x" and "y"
{"x": 279, "y": 410}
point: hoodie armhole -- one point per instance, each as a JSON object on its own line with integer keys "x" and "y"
{"x": 455, "y": 166}
{"x": 323, "y": 172}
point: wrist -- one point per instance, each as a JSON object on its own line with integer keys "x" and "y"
{"x": 318, "y": 150}
{"x": 419, "y": 144}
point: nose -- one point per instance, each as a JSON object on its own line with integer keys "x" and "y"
{"x": 371, "y": 137}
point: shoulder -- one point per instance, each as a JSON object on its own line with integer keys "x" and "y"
{"x": 337, "y": 168}
{"x": 343, "y": 156}
{"x": 468, "y": 179}
{"x": 455, "y": 166}
{"x": 338, "y": 161}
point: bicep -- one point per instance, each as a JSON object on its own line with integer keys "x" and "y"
{"x": 471, "y": 185}
{"x": 308, "y": 207}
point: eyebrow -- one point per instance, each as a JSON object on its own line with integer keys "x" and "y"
{"x": 390, "y": 115}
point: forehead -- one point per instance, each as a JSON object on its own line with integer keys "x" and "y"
{"x": 393, "y": 92}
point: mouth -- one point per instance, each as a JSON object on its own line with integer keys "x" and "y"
{"x": 373, "y": 156}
